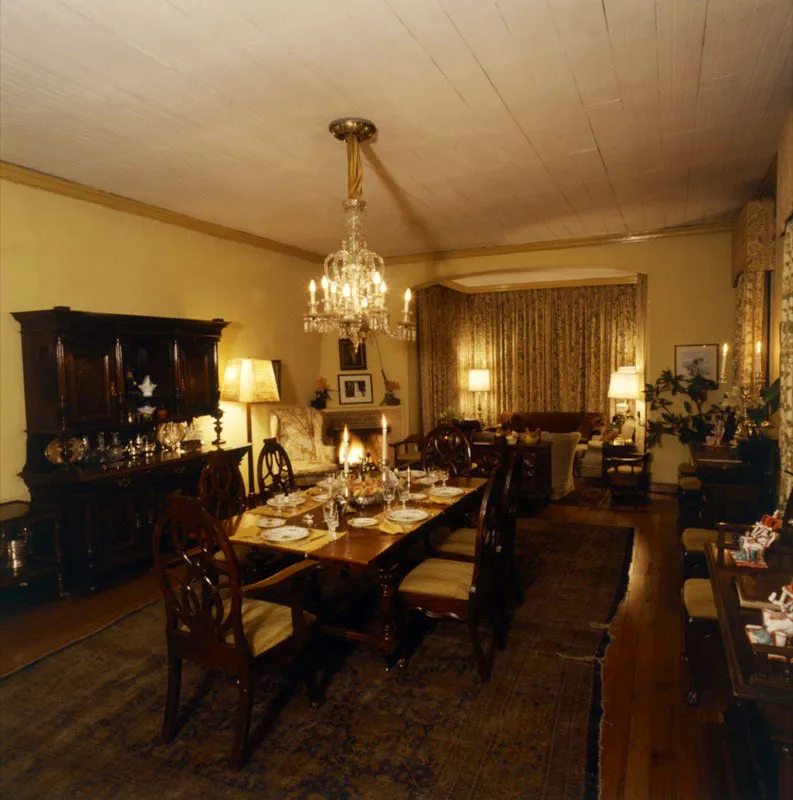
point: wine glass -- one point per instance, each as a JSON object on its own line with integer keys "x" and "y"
{"x": 330, "y": 513}
{"x": 444, "y": 476}
{"x": 404, "y": 493}
{"x": 389, "y": 489}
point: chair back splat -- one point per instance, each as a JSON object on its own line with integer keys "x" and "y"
{"x": 194, "y": 584}
{"x": 447, "y": 447}
{"x": 221, "y": 489}
{"x": 274, "y": 470}
{"x": 488, "y": 540}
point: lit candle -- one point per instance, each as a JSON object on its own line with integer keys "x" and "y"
{"x": 758, "y": 348}
{"x": 346, "y": 446}
{"x": 325, "y": 284}
{"x": 407, "y": 299}
{"x": 312, "y": 288}
{"x": 384, "y": 454}
{"x": 724, "y": 348}
{"x": 376, "y": 279}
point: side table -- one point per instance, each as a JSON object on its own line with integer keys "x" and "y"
{"x": 30, "y": 544}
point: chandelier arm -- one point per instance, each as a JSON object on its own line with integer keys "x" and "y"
{"x": 354, "y": 169}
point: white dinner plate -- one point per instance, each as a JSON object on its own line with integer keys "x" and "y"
{"x": 325, "y": 482}
{"x": 362, "y": 522}
{"x": 414, "y": 473}
{"x": 321, "y": 497}
{"x": 446, "y": 491}
{"x": 287, "y": 533}
{"x": 407, "y": 515}
{"x": 270, "y": 522}
{"x": 417, "y": 496}
{"x": 279, "y": 501}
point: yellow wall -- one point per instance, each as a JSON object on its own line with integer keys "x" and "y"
{"x": 689, "y": 296}
{"x": 55, "y": 250}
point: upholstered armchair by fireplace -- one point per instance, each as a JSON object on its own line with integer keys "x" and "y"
{"x": 299, "y": 430}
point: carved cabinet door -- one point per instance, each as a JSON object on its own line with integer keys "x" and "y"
{"x": 196, "y": 375}
{"x": 89, "y": 376}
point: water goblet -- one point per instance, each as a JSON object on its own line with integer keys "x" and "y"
{"x": 389, "y": 490}
{"x": 330, "y": 513}
{"x": 444, "y": 476}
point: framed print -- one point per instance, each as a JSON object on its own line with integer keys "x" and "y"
{"x": 351, "y": 357}
{"x": 355, "y": 388}
{"x": 697, "y": 359}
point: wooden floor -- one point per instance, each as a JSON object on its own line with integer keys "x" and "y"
{"x": 654, "y": 745}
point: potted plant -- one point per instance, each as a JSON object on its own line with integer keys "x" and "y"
{"x": 696, "y": 420}
{"x": 321, "y": 394}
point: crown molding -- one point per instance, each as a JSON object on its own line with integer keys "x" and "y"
{"x": 49, "y": 183}
{"x": 565, "y": 244}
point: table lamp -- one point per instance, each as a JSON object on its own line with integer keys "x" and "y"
{"x": 478, "y": 381}
{"x": 250, "y": 380}
{"x": 624, "y": 386}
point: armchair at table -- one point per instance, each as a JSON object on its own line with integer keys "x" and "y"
{"x": 299, "y": 430}
{"x": 628, "y": 477}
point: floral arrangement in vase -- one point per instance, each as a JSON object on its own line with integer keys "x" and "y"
{"x": 321, "y": 394}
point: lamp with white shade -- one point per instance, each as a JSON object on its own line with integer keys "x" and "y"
{"x": 478, "y": 381}
{"x": 250, "y": 380}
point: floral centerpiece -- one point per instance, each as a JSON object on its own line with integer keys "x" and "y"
{"x": 321, "y": 394}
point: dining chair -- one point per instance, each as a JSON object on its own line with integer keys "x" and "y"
{"x": 447, "y": 447}
{"x": 700, "y": 623}
{"x": 213, "y": 620}
{"x": 461, "y": 543}
{"x": 407, "y": 451}
{"x": 274, "y": 470}
{"x": 442, "y": 588}
{"x": 221, "y": 488}
{"x": 628, "y": 477}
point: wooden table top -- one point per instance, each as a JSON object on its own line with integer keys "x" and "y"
{"x": 359, "y": 546}
{"x": 752, "y": 678}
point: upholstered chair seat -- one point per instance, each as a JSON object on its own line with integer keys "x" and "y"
{"x": 461, "y": 542}
{"x": 694, "y": 540}
{"x": 698, "y": 599}
{"x": 265, "y": 624}
{"x": 440, "y": 577}
{"x": 690, "y": 484}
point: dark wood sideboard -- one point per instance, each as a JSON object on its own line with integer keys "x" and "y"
{"x": 81, "y": 372}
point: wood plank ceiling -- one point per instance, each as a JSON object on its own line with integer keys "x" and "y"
{"x": 500, "y": 122}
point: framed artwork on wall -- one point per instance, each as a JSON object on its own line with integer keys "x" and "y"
{"x": 697, "y": 359}
{"x": 355, "y": 388}
{"x": 351, "y": 357}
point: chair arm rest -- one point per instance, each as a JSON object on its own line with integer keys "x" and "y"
{"x": 733, "y": 527}
{"x": 286, "y": 574}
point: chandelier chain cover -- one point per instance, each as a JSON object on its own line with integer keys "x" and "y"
{"x": 354, "y": 289}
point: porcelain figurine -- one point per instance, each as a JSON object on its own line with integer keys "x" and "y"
{"x": 764, "y": 533}
{"x": 147, "y": 410}
{"x": 147, "y": 387}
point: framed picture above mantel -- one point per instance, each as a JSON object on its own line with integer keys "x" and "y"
{"x": 351, "y": 357}
{"x": 355, "y": 388}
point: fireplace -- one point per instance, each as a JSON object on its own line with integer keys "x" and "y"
{"x": 365, "y": 429}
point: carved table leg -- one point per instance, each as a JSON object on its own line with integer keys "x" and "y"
{"x": 387, "y": 605}
{"x": 784, "y": 754}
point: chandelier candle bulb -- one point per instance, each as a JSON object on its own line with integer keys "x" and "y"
{"x": 407, "y": 300}
{"x": 312, "y": 288}
{"x": 758, "y": 349}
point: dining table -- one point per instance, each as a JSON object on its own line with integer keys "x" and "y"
{"x": 380, "y": 551}
{"x": 759, "y": 674}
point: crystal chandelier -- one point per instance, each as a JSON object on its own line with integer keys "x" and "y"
{"x": 353, "y": 284}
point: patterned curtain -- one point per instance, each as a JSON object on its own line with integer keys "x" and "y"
{"x": 547, "y": 349}
{"x": 750, "y": 315}
{"x": 786, "y": 369}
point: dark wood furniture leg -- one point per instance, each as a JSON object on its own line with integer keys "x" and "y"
{"x": 387, "y": 606}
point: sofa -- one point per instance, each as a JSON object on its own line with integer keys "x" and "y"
{"x": 299, "y": 430}
{"x": 585, "y": 422}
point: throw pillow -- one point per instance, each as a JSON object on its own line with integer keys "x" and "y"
{"x": 562, "y": 459}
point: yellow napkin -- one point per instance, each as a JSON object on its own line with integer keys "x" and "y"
{"x": 386, "y": 526}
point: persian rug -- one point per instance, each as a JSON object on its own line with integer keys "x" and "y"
{"x": 84, "y": 722}
{"x": 588, "y": 493}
